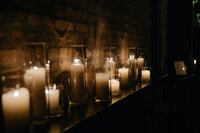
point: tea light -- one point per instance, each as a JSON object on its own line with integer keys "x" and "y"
{"x": 16, "y": 109}
{"x": 110, "y": 63}
{"x": 34, "y": 78}
{"x": 52, "y": 97}
{"x": 146, "y": 75}
{"x": 115, "y": 87}
{"x": 77, "y": 81}
{"x": 102, "y": 88}
{"x": 124, "y": 76}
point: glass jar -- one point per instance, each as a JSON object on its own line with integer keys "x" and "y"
{"x": 110, "y": 59}
{"x": 35, "y": 54}
{"x": 114, "y": 83}
{"x": 102, "y": 86}
{"x": 132, "y": 64}
{"x": 54, "y": 98}
{"x": 123, "y": 73}
{"x": 77, "y": 70}
{"x": 140, "y": 61}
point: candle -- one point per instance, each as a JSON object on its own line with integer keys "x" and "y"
{"x": 16, "y": 110}
{"x": 110, "y": 63}
{"x": 77, "y": 79}
{"x": 52, "y": 97}
{"x": 124, "y": 76}
{"x": 115, "y": 85}
{"x": 102, "y": 88}
{"x": 140, "y": 61}
{"x": 34, "y": 78}
{"x": 146, "y": 75}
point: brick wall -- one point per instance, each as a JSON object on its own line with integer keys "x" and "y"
{"x": 63, "y": 22}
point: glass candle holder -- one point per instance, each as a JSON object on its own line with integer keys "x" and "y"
{"x": 102, "y": 89}
{"x": 140, "y": 61}
{"x": 35, "y": 78}
{"x": 146, "y": 74}
{"x": 77, "y": 70}
{"x": 54, "y": 98}
{"x": 123, "y": 72}
{"x": 110, "y": 59}
{"x": 132, "y": 63}
{"x": 114, "y": 84}
{"x": 16, "y": 105}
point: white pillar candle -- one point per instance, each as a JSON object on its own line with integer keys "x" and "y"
{"x": 16, "y": 109}
{"x": 102, "y": 88}
{"x": 77, "y": 79}
{"x": 52, "y": 98}
{"x": 34, "y": 79}
{"x": 140, "y": 61}
{"x": 110, "y": 64}
{"x": 146, "y": 75}
{"x": 115, "y": 87}
{"x": 124, "y": 76}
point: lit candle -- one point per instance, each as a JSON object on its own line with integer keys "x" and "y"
{"x": 140, "y": 61}
{"x": 124, "y": 76}
{"x": 115, "y": 85}
{"x": 146, "y": 75}
{"x": 52, "y": 98}
{"x": 102, "y": 88}
{"x": 110, "y": 63}
{"x": 34, "y": 78}
{"x": 77, "y": 79}
{"x": 16, "y": 109}
{"x": 195, "y": 63}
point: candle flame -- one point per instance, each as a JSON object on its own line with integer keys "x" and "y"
{"x": 195, "y": 62}
{"x": 54, "y": 86}
{"x": 46, "y": 91}
{"x": 183, "y": 68}
{"x": 109, "y": 59}
{"x": 16, "y": 94}
{"x": 131, "y": 56}
{"x": 35, "y": 67}
{"x": 76, "y": 60}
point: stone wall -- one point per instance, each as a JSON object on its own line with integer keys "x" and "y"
{"x": 59, "y": 23}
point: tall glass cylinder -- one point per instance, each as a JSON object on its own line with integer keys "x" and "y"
{"x": 110, "y": 59}
{"x": 140, "y": 61}
{"x": 16, "y": 105}
{"x": 77, "y": 70}
{"x": 132, "y": 63}
{"x": 35, "y": 77}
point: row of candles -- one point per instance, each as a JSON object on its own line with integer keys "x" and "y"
{"x": 38, "y": 98}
